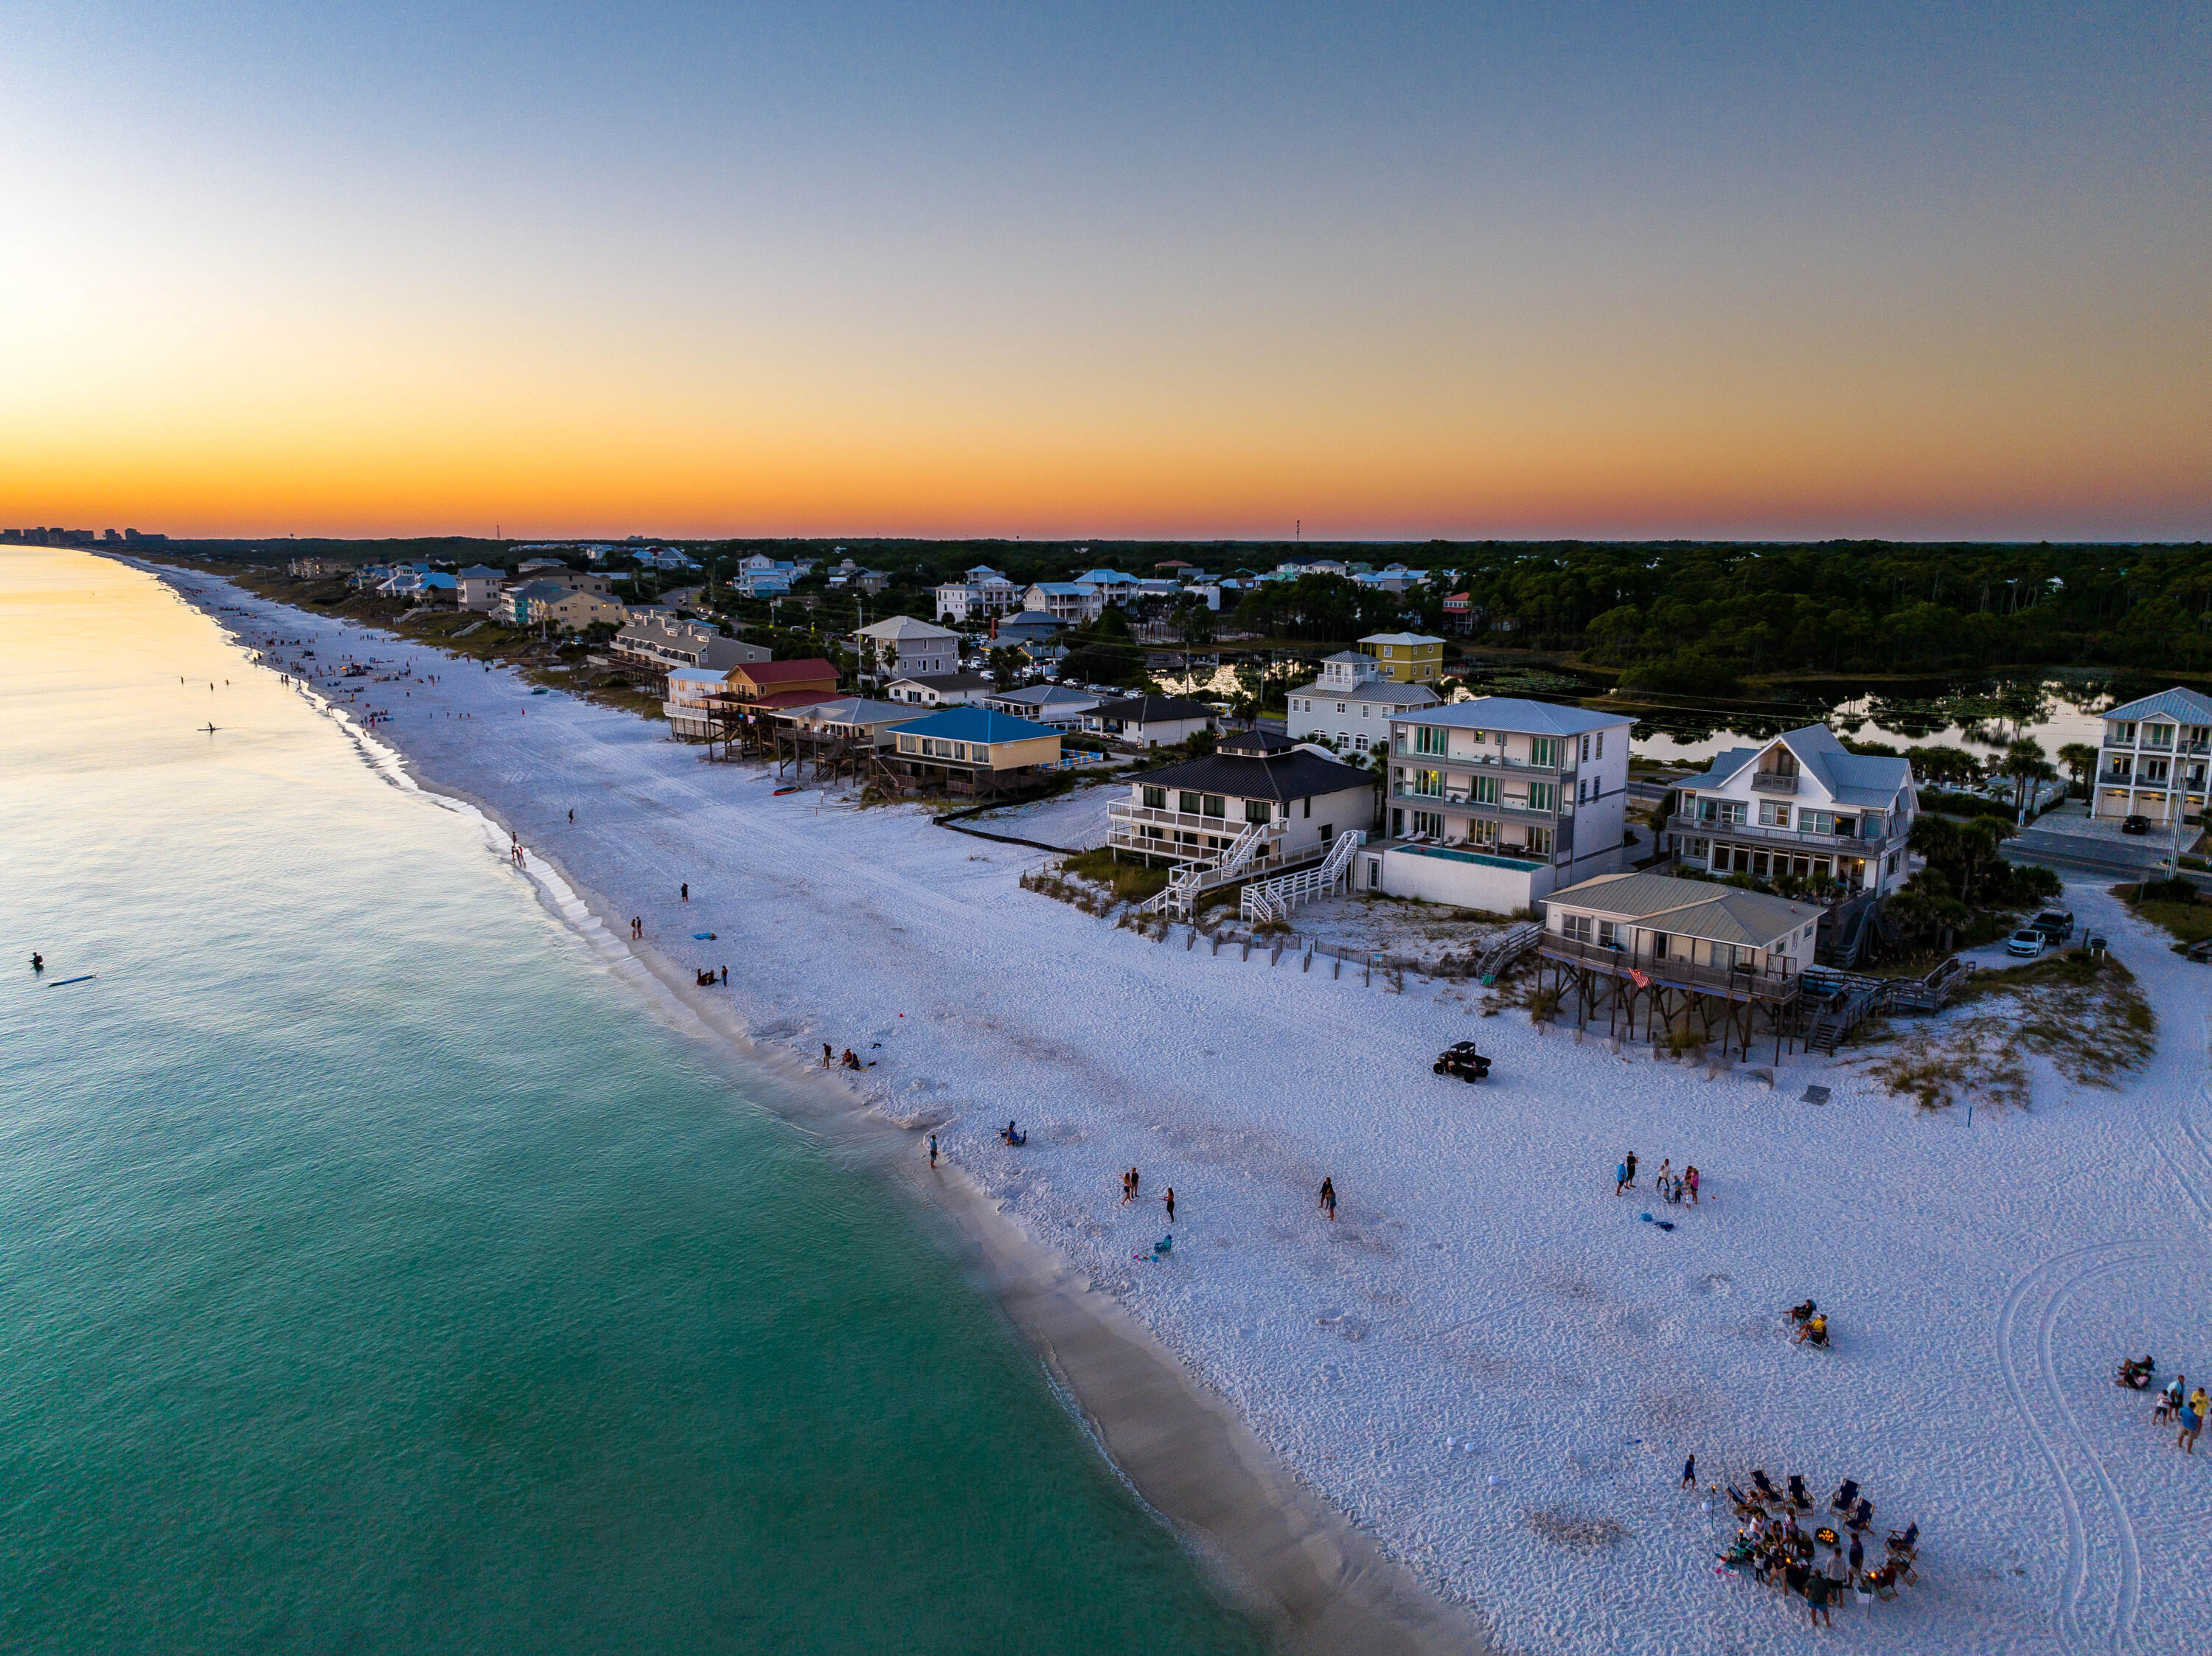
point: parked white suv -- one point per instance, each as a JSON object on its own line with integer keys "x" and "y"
{"x": 2027, "y": 943}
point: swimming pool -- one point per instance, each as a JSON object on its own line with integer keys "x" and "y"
{"x": 1452, "y": 854}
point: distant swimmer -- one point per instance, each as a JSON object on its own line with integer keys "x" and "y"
{"x": 39, "y": 964}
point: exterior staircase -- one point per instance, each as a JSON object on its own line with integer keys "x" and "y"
{"x": 1514, "y": 942}
{"x": 1188, "y": 882}
{"x": 1276, "y": 898}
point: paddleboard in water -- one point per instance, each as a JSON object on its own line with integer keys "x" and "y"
{"x": 59, "y": 982}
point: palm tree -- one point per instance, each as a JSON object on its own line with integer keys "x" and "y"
{"x": 2025, "y": 763}
{"x": 2080, "y": 762}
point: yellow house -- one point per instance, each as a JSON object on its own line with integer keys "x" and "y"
{"x": 973, "y": 750}
{"x": 1406, "y": 657}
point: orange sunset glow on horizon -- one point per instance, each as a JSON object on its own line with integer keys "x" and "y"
{"x": 1044, "y": 286}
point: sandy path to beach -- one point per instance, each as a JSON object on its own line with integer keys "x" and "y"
{"x": 1490, "y": 1363}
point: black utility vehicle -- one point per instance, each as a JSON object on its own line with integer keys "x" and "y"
{"x": 1463, "y": 1061}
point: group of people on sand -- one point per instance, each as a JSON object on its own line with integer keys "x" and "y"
{"x": 1817, "y": 1566}
{"x": 831, "y": 1060}
{"x": 1672, "y": 1187}
{"x": 1812, "y": 1323}
{"x": 2179, "y": 1406}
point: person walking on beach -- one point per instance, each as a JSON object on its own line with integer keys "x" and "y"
{"x": 572, "y": 813}
{"x": 933, "y": 1148}
{"x": 829, "y": 1058}
{"x": 1170, "y": 1199}
{"x": 1690, "y": 1180}
{"x": 1128, "y": 1189}
{"x": 636, "y": 928}
{"x": 1626, "y": 1173}
{"x": 1328, "y": 1199}
{"x": 1666, "y": 1172}
{"x": 1619, "y": 1177}
{"x": 1689, "y": 1473}
{"x": 685, "y": 891}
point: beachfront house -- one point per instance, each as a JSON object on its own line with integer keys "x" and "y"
{"x": 1066, "y": 601}
{"x": 563, "y": 607}
{"x": 1148, "y": 721}
{"x": 1496, "y": 803}
{"x": 940, "y": 689}
{"x": 1653, "y": 920}
{"x": 972, "y": 750}
{"x": 1258, "y": 805}
{"x": 1025, "y": 626}
{"x": 1060, "y": 706}
{"x": 478, "y": 585}
{"x": 1112, "y": 585}
{"x": 1698, "y": 959}
{"x": 850, "y": 717}
{"x": 661, "y": 642}
{"x": 692, "y": 700}
{"x": 902, "y": 647}
{"x": 980, "y": 595}
{"x": 1802, "y": 805}
{"x": 1406, "y": 657}
{"x": 1351, "y": 703}
{"x": 2151, "y": 760}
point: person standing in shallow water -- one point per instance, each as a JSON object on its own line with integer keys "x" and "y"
{"x": 932, "y": 1149}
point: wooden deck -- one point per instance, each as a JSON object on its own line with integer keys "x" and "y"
{"x": 1769, "y": 988}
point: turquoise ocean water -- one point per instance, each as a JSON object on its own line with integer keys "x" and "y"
{"x": 377, "y": 1274}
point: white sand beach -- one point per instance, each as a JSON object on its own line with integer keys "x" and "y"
{"x": 1489, "y": 1363}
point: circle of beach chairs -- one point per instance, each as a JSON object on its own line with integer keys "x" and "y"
{"x": 1771, "y": 1548}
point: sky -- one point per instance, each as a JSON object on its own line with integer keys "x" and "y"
{"x": 1358, "y": 271}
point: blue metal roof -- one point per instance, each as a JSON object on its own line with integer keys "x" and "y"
{"x": 976, "y": 724}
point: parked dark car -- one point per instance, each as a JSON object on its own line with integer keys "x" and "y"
{"x": 2136, "y": 825}
{"x": 1463, "y": 1061}
{"x": 2055, "y": 924}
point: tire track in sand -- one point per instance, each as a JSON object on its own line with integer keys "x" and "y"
{"x": 2102, "y": 1530}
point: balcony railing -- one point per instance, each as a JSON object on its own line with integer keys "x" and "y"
{"x": 1843, "y": 842}
{"x": 1476, "y": 761}
{"x": 1769, "y": 983}
{"x": 1450, "y": 801}
{"x": 1774, "y": 781}
{"x": 1181, "y": 819}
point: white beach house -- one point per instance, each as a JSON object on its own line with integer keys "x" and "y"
{"x": 1258, "y": 805}
{"x": 1351, "y": 703}
{"x": 1148, "y": 721}
{"x": 1496, "y": 803}
{"x": 1802, "y": 805}
{"x": 2152, "y": 761}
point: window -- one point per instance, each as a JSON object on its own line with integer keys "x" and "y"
{"x": 1577, "y": 926}
{"x": 1156, "y": 798}
{"x": 1339, "y": 707}
{"x": 1540, "y": 841}
{"x": 1601, "y": 744}
{"x": 1374, "y": 873}
{"x": 1543, "y": 796}
{"x": 1816, "y": 821}
{"x": 1771, "y": 815}
{"x": 1428, "y": 738}
{"x": 1429, "y": 822}
{"x": 1608, "y": 934}
{"x": 1585, "y": 750}
{"x": 1191, "y": 804}
{"x": 1482, "y": 790}
{"x": 1324, "y": 833}
{"x": 1216, "y": 805}
{"x": 1543, "y": 750}
{"x": 1482, "y": 832}
{"x": 906, "y": 744}
{"x": 1359, "y": 742}
{"x": 1257, "y": 810}
{"x": 1429, "y": 784}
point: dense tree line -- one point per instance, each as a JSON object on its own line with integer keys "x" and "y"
{"x": 1699, "y": 618}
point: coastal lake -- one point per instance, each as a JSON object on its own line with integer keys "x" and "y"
{"x": 383, "y": 1272}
